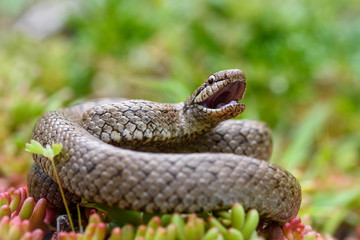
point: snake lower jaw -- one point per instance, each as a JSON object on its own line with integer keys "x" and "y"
{"x": 233, "y": 109}
{"x": 227, "y": 111}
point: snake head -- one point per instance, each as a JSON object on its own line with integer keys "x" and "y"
{"x": 219, "y": 96}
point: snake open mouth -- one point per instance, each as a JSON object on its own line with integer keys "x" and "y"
{"x": 228, "y": 95}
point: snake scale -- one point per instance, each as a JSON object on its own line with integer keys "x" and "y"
{"x": 156, "y": 157}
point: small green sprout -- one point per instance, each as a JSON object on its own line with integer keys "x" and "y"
{"x": 51, "y": 152}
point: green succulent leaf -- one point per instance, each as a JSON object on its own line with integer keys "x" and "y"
{"x": 251, "y": 221}
{"x": 118, "y": 216}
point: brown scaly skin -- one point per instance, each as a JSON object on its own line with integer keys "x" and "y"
{"x": 190, "y": 161}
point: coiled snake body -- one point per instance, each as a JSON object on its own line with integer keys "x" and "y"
{"x": 153, "y": 157}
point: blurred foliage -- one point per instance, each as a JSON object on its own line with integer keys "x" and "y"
{"x": 301, "y": 58}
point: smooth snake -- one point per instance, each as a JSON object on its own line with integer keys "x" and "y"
{"x": 156, "y": 157}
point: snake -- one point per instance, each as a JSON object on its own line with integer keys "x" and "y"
{"x": 187, "y": 157}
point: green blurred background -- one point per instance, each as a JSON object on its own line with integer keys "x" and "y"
{"x": 301, "y": 58}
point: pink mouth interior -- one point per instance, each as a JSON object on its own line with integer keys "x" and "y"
{"x": 230, "y": 94}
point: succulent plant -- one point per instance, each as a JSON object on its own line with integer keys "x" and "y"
{"x": 296, "y": 230}
{"x": 20, "y": 217}
{"x": 232, "y": 225}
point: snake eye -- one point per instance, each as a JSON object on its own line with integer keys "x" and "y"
{"x": 211, "y": 80}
